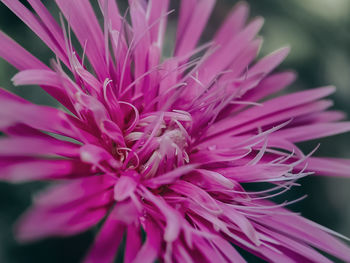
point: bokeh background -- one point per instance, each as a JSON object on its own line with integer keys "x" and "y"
{"x": 318, "y": 32}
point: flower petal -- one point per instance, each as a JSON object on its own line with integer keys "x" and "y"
{"x": 107, "y": 242}
{"x": 194, "y": 15}
{"x": 151, "y": 249}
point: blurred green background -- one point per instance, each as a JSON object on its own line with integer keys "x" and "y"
{"x": 318, "y": 32}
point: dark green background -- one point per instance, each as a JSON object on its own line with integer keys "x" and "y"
{"x": 318, "y": 32}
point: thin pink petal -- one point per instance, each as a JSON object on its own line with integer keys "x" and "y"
{"x": 306, "y": 231}
{"x": 133, "y": 243}
{"x": 17, "y": 55}
{"x": 273, "y": 105}
{"x": 56, "y": 44}
{"x": 233, "y": 23}
{"x": 82, "y": 19}
{"x": 150, "y": 250}
{"x": 193, "y": 18}
{"x": 328, "y": 166}
{"x": 313, "y": 131}
{"x": 106, "y": 243}
{"x": 255, "y": 173}
{"x": 29, "y": 146}
{"x": 25, "y": 170}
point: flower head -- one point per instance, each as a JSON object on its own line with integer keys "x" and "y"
{"x": 162, "y": 145}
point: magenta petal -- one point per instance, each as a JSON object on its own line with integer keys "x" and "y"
{"x": 272, "y": 84}
{"x": 22, "y": 170}
{"x": 243, "y": 60}
{"x": 273, "y": 105}
{"x": 29, "y": 146}
{"x": 181, "y": 255}
{"x": 94, "y": 155}
{"x": 36, "y": 77}
{"x": 193, "y": 18}
{"x": 56, "y": 44}
{"x": 170, "y": 177}
{"x": 112, "y": 13}
{"x": 66, "y": 209}
{"x": 16, "y": 110}
{"x": 216, "y": 177}
{"x": 198, "y": 195}
{"x": 328, "y": 166}
{"x": 228, "y": 250}
{"x": 38, "y": 223}
{"x": 223, "y": 57}
{"x": 127, "y": 212}
{"x": 233, "y": 23}
{"x": 260, "y": 172}
{"x": 313, "y": 131}
{"x": 83, "y": 21}
{"x": 107, "y": 242}
{"x": 285, "y": 115}
{"x": 133, "y": 243}
{"x": 113, "y": 131}
{"x": 74, "y": 191}
{"x": 308, "y": 232}
{"x": 242, "y": 222}
{"x": 268, "y": 63}
{"x": 173, "y": 226}
{"x": 159, "y": 8}
{"x": 297, "y": 247}
{"x": 18, "y": 56}
{"x": 150, "y": 250}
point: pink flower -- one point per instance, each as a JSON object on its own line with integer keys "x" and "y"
{"x": 163, "y": 145}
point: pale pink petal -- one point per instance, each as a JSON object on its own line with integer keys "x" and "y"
{"x": 124, "y": 188}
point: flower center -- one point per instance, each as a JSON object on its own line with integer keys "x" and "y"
{"x": 160, "y": 142}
